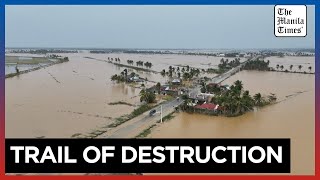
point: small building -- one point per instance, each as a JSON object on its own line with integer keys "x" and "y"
{"x": 209, "y": 106}
{"x": 176, "y": 82}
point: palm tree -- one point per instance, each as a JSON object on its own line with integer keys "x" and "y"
{"x": 238, "y": 85}
{"x": 158, "y": 86}
{"x": 300, "y": 66}
{"x": 281, "y": 67}
{"x": 272, "y": 98}
{"x": 143, "y": 95}
{"x": 163, "y": 72}
{"x": 291, "y": 66}
{"x": 125, "y": 73}
{"x": 258, "y": 99}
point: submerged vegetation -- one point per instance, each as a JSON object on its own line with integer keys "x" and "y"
{"x": 120, "y": 103}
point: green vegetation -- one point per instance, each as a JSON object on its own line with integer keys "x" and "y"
{"x": 186, "y": 72}
{"x": 146, "y": 132}
{"x": 120, "y": 103}
{"x": 168, "y": 117}
{"x": 148, "y": 97}
{"x": 257, "y": 64}
{"x": 26, "y": 60}
{"x": 233, "y": 102}
{"x": 118, "y": 78}
{"x": 32, "y": 61}
{"x": 224, "y": 66}
{"x": 138, "y": 111}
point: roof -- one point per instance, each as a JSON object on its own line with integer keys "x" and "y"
{"x": 176, "y": 80}
{"x": 209, "y": 106}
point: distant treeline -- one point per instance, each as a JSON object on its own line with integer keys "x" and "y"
{"x": 107, "y": 51}
{"x": 42, "y": 51}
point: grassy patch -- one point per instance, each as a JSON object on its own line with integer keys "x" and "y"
{"x": 167, "y": 117}
{"x": 76, "y": 135}
{"x": 140, "y": 110}
{"x": 29, "y": 60}
{"x": 145, "y": 132}
{"x": 168, "y": 98}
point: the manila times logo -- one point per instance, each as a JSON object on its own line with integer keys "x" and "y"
{"x": 290, "y": 20}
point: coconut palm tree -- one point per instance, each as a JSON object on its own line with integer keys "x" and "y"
{"x": 143, "y": 95}
{"x": 238, "y": 85}
{"x": 163, "y": 72}
{"x": 281, "y": 67}
{"x": 258, "y": 99}
{"x": 158, "y": 87}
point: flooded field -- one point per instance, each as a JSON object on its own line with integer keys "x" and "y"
{"x": 293, "y": 117}
{"x": 73, "y": 97}
{"x": 39, "y": 106}
{"x": 287, "y": 61}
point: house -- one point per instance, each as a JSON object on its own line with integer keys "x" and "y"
{"x": 176, "y": 82}
{"x": 209, "y": 106}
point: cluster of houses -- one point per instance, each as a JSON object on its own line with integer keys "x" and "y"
{"x": 135, "y": 78}
{"x": 202, "y": 100}
{"x": 173, "y": 88}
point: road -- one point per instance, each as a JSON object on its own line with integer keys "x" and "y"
{"x": 135, "y": 126}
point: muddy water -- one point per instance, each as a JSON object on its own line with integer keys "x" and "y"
{"x": 293, "y": 117}
{"x": 65, "y": 99}
{"x": 287, "y": 61}
{"x": 73, "y": 97}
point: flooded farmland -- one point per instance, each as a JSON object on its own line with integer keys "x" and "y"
{"x": 293, "y": 117}
{"x": 73, "y": 97}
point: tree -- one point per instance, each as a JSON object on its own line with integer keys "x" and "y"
{"x": 291, "y": 66}
{"x": 158, "y": 86}
{"x": 310, "y": 68}
{"x": 146, "y": 96}
{"x": 163, "y": 72}
{"x": 277, "y": 66}
{"x": 238, "y": 84}
{"x": 17, "y": 70}
{"x": 258, "y": 99}
{"x": 281, "y": 67}
{"x": 300, "y": 66}
{"x": 272, "y": 98}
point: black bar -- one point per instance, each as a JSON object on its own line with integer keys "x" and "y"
{"x": 114, "y": 164}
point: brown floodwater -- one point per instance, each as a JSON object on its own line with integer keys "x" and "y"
{"x": 73, "y": 97}
{"x": 70, "y": 98}
{"x": 293, "y": 117}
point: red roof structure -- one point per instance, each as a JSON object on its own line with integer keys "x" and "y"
{"x": 208, "y": 106}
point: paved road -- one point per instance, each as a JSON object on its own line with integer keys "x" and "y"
{"x": 135, "y": 126}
